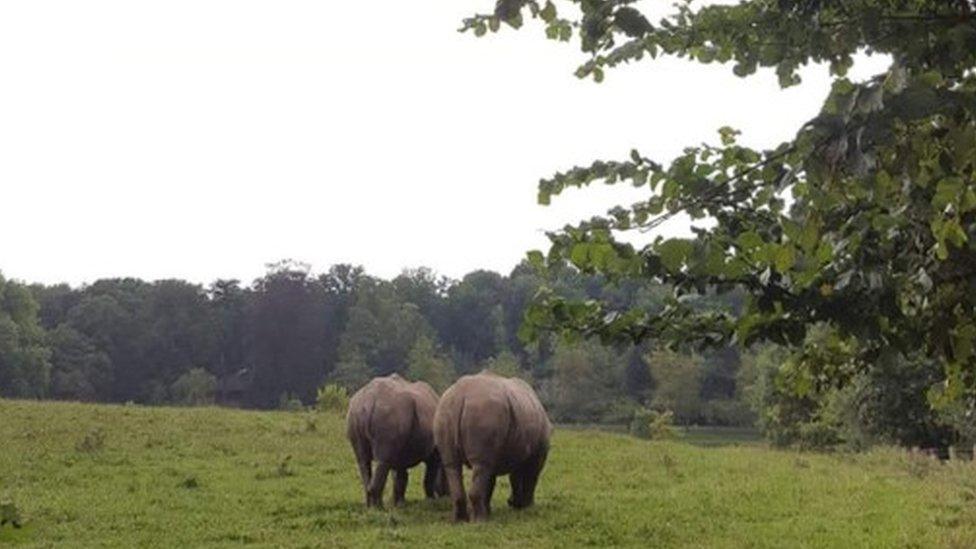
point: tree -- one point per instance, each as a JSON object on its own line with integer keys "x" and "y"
{"x": 194, "y": 388}
{"x": 231, "y": 309}
{"x": 352, "y": 371}
{"x": 291, "y": 323}
{"x": 79, "y": 370}
{"x": 24, "y": 358}
{"x": 475, "y": 318}
{"x": 382, "y": 328}
{"x": 426, "y": 363}
{"x": 586, "y": 385}
{"x": 865, "y": 221}
{"x": 678, "y": 390}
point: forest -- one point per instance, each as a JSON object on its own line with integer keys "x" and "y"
{"x": 275, "y": 342}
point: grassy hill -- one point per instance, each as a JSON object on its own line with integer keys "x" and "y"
{"x": 126, "y": 476}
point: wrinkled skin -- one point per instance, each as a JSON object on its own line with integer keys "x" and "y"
{"x": 390, "y": 421}
{"x": 496, "y": 426}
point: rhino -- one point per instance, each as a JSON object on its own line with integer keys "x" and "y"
{"x": 390, "y": 421}
{"x": 496, "y": 426}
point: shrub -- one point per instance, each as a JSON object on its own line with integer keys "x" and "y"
{"x": 332, "y": 398}
{"x": 194, "y": 388}
{"x": 652, "y": 425}
{"x": 290, "y": 403}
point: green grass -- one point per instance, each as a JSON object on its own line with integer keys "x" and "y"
{"x": 222, "y": 478}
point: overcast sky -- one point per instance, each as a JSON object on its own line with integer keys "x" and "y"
{"x": 204, "y": 138}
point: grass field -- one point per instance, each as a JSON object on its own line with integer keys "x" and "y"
{"x": 126, "y": 476}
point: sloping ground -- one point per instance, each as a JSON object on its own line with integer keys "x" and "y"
{"x": 87, "y": 476}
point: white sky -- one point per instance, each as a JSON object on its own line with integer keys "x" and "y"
{"x": 204, "y": 138}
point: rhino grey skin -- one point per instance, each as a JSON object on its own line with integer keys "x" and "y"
{"x": 390, "y": 421}
{"x": 496, "y": 426}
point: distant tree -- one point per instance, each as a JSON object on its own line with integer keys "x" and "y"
{"x": 504, "y": 364}
{"x": 55, "y": 303}
{"x": 194, "y": 388}
{"x": 638, "y": 381}
{"x": 291, "y": 324}
{"x": 425, "y": 289}
{"x": 24, "y": 357}
{"x": 231, "y": 306}
{"x": 678, "y": 384}
{"x": 352, "y": 371}
{"x": 586, "y": 385}
{"x": 79, "y": 370}
{"x": 427, "y": 363}
{"x": 113, "y": 315}
{"x": 475, "y": 318}
{"x": 383, "y": 328}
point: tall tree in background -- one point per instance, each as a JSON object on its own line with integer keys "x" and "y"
{"x": 427, "y": 363}
{"x": 231, "y": 309}
{"x": 291, "y": 325}
{"x": 24, "y": 358}
{"x": 879, "y": 241}
{"x": 79, "y": 369}
{"x": 475, "y": 318}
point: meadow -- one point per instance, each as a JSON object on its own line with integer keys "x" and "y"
{"x": 126, "y": 476}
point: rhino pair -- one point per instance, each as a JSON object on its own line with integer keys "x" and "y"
{"x": 494, "y": 425}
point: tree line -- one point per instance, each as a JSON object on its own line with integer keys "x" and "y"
{"x": 289, "y": 332}
{"x": 274, "y": 342}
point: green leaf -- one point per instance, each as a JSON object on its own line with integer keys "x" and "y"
{"x": 674, "y": 252}
{"x": 963, "y": 342}
{"x": 749, "y": 241}
{"x": 548, "y": 13}
{"x": 536, "y": 260}
{"x": 784, "y": 258}
{"x": 580, "y": 254}
{"x": 947, "y": 191}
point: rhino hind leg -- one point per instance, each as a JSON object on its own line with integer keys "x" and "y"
{"x": 524, "y": 480}
{"x": 364, "y": 459}
{"x": 455, "y": 486}
{"x": 517, "y": 480}
{"x": 482, "y": 485}
{"x": 400, "y": 486}
{"x": 374, "y": 495}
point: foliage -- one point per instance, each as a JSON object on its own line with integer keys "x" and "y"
{"x": 598, "y": 489}
{"x": 332, "y": 398}
{"x": 504, "y": 364}
{"x": 865, "y": 220}
{"x": 290, "y": 402}
{"x": 24, "y": 359}
{"x": 291, "y": 331}
{"x": 194, "y": 388}
{"x": 426, "y": 363}
{"x": 653, "y": 425}
{"x": 352, "y": 371}
{"x": 584, "y": 384}
{"x": 79, "y": 370}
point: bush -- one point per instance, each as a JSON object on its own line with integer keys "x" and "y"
{"x": 194, "y": 388}
{"x": 652, "y": 425}
{"x": 332, "y": 398}
{"x": 290, "y": 403}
